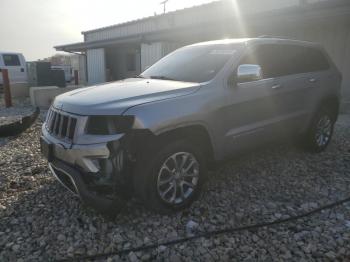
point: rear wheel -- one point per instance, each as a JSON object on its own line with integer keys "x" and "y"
{"x": 320, "y": 132}
{"x": 170, "y": 179}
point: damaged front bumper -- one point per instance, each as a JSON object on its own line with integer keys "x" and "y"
{"x": 73, "y": 180}
{"x": 99, "y": 174}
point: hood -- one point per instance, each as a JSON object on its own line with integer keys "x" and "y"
{"x": 115, "y": 98}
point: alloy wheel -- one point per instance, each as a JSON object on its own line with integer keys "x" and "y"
{"x": 178, "y": 178}
{"x": 323, "y": 130}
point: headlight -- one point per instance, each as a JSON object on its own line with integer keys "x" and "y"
{"x": 108, "y": 125}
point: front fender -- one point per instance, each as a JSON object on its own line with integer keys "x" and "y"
{"x": 164, "y": 116}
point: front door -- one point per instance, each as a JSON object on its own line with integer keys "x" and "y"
{"x": 251, "y": 110}
{"x": 250, "y": 115}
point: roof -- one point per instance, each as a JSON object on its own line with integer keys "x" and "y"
{"x": 224, "y": 41}
{"x": 81, "y": 46}
{"x": 265, "y": 39}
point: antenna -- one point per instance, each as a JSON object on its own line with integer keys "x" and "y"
{"x": 164, "y": 5}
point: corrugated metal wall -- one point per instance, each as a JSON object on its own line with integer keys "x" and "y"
{"x": 151, "y": 53}
{"x": 78, "y": 62}
{"x": 169, "y": 47}
{"x": 96, "y": 65}
{"x": 117, "y": 62}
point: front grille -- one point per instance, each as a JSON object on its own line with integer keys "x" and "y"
{"x": 61, "y": 125}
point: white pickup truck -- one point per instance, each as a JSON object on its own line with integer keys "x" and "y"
{"x": 15, "y": 63}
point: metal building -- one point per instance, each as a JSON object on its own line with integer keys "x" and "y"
{"x": 126, "y": 49}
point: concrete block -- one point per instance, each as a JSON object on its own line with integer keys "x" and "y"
{"x": 43, "y": 96}
{"x": 19, "y": 90}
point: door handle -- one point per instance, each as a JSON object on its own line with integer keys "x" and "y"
{"x": 22, "y": 70}
{"x": 312, "y": 80}
{"x": 276, "y": 86}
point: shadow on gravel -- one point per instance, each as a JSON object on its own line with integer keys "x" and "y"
{"x": 270, "y": 184}
{"x": 16, "y": 128}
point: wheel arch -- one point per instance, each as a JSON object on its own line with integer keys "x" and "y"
{"x": 195, "y": 133}
{"x": 332, "y": 102}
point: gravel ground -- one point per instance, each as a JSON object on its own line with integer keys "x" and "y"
{"x": 40, "y": 220}
{"x": 21, "y": 107}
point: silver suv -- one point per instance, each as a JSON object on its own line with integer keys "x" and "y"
{"x": 154, "y": 136}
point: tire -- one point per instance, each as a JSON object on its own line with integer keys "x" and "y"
{"x": 319, "y": 134}
{"x": 158, "y": 182}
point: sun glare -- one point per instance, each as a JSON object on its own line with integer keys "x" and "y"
{"x": 238, "y": 16}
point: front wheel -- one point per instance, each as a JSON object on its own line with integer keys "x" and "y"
{"x": 172, "y": 178}
{"x": 320, "y": 132}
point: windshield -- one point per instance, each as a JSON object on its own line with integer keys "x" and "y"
{"x": 191, "y": 64}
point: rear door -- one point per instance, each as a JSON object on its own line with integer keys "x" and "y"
{"x": 297, "y": 79}
{"x": 318, "y": 76}
{"x": 290, "y": 92}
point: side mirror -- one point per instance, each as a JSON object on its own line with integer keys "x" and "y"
{"x": 249, "y": 72}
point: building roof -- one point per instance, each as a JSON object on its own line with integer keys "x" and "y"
{"x": 197, "y": 18}
{"x": 141, "y": 20}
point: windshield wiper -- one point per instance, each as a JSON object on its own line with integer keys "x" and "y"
{"x": 162, "y": 78}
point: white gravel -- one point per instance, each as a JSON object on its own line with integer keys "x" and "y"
{"x": 41, "y": 221}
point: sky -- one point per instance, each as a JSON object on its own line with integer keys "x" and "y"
{"x": 34, "y": 27}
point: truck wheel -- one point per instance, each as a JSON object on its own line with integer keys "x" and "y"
{"x": 320, "y": 132}
{"x": 170, "y": 179}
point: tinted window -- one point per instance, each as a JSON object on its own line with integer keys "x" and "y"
{"x": 281, "y": 60}
{"x": 192, "y": 64}
{"x": 11, "y": 60}
{"x": 315, "y": 60}
{"x": 299, "y": 59}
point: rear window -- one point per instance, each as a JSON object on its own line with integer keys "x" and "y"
{"x": 11, "y": 60}
{"x": 282, "y": 60}
{"x": 315, "y": 60}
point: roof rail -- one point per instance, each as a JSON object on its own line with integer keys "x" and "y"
{"x": 272, "y": 36}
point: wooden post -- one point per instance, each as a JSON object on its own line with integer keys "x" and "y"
{"x": 7, "y": 90}
{"x": 76, "y": 77}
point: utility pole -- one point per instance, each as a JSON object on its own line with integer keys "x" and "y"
{"x": 164, "y": 5}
